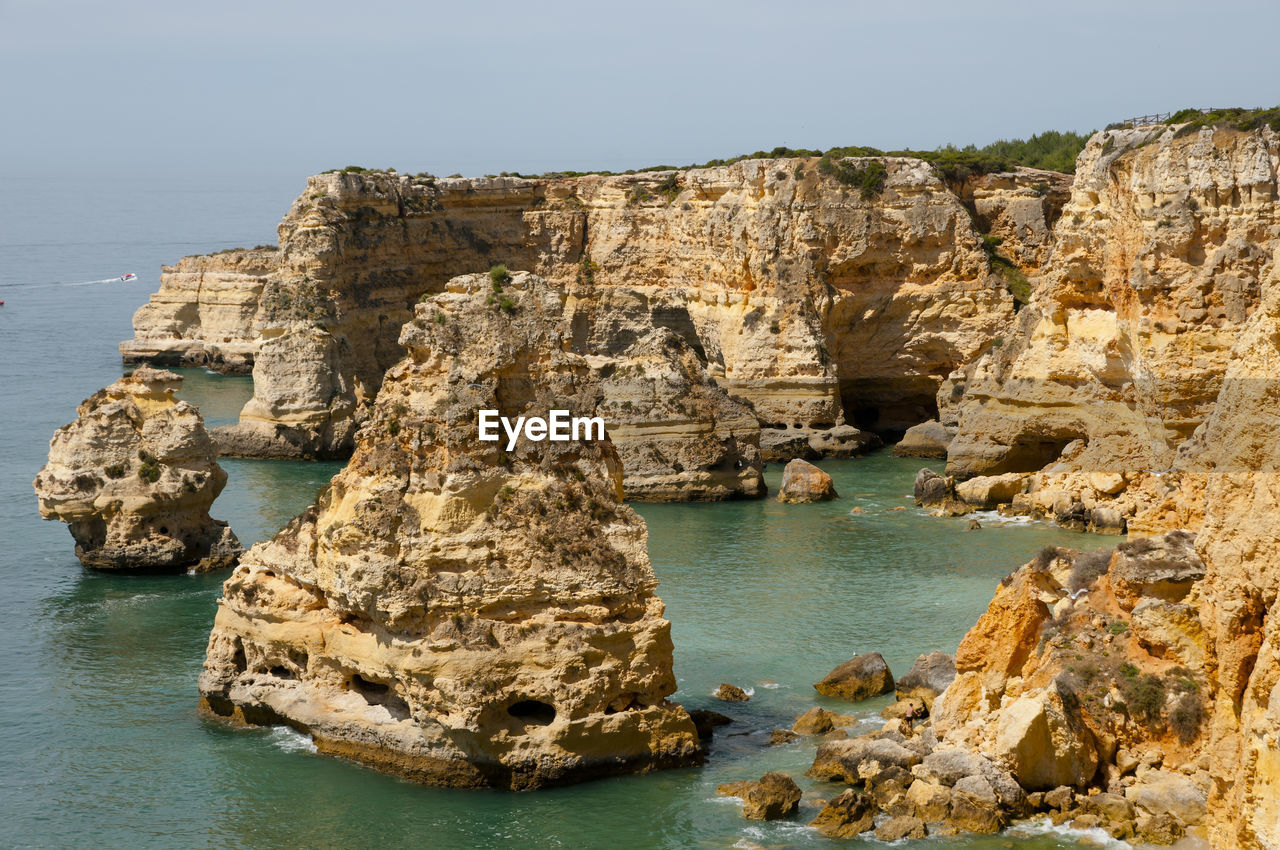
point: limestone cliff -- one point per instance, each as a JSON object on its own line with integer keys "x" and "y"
{"x": 802, "y": 296}
{"x": 203, "y": 314}
{"x": 134, "y": 476}
{"x": 450, "y": 610}
{"x": 1156, "y": 268}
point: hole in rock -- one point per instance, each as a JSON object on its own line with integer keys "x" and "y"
{"x": 532, "y": 711}
{"x": 282, "y": 672}
{"x": 367, "y": 688}
{"x": 238, "y": 659}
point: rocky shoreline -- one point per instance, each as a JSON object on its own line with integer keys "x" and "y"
{"x": 470, "y": 616}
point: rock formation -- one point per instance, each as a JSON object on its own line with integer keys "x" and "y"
{"x": 1157, "y": 266}
{"x": 814, "y": 303}
{"x": 451, "y": 610}
{"x": 680, "y": 437}
{"x": 861, "y": 677}
{"x": 804, "y": 482}
{"x": 134, "y": 476}
{"x": 204, "y": 313}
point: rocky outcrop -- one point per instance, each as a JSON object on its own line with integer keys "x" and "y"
{"x": 861, "y": 677}
{"x": 1018, "y": 210}
{"x": 813, "y": 302}
{"x": 1157, "y": 265}
{"x": 928, "y": 677}
{"x": 804, "y": 482}
{"x": 456, "y": 611}
{"x": 203, "y": 314}
{"x": 771, "y": 797}
{"x": 680, "y": 437}
{"x": 134, "y": 476}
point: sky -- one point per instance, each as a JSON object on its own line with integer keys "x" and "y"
{"x": 480, "y": 87}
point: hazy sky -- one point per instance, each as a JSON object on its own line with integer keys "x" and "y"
{"x": 476, "y": 87}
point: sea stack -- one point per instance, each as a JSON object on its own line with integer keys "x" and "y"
{"x": 134, "y": 476}
{"x": 462, "y": 612}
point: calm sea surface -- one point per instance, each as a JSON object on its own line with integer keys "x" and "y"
{"x": 100, "y": 743}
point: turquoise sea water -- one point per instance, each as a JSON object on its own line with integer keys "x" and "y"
{"x": 100, "y": 742}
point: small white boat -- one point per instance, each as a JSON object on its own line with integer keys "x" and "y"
{"x": 128, "y": 276}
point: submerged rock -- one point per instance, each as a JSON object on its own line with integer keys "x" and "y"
{"x": 453, "y": 611}
{"x": 861, "y": 677}
{"x": 804, "y": 482}
{"x": 134, "y": 476}
{"x": 731, "y": 693}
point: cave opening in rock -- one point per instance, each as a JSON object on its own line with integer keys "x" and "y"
{"x": 368, "y": 688}
{"x": 532, "y": 712}
{"x": 1033, "y": 455}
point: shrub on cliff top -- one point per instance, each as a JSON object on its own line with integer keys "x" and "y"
{"x": 499, "y": 275}
{"x": 1235, "y": 117}
{"x": 867, "y": 177}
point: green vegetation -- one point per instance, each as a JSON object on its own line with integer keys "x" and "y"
{"x": 499, "y": 275}
{"x": 587, "y": 271}
{"x": 868, "y": 176}
{"x": 150, "y": 469}
{"x": 1087, "y": 567}
{"x": 1143, "y": 694}
{"x": 1118, "y": 627}
{"x": 1236, "y": 118}
{"x": 1014, "y": 280}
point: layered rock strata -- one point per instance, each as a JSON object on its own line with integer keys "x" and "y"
{"x": 802, "y": 296}
{"x": 451, "y": 610}
{"x": 203, "y": 314}
{"x": 134, "y": 477}
{"x": 1158, "y": 263}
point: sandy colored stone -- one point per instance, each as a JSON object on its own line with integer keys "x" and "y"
{"x": 451, "y": 611}
{"x": 929, "y": 676}
{"x": 819, "y": 721}
{"x": 203, "y": 313}
{"x": 731, "y": 693}
{"x": 134, "y": 477}
{"x": 849, "y": 814}
{"x": 794, "y": 290}
{"x": 861, "y": 677}
{"x": 804, "y": 482}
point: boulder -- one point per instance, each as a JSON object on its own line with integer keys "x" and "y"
{"x": 804, "y": 482}
{"x": 1162, "y": 567}
{"x": 929, "y": 802}
{"x": 1171, "y": 630}
{"x": 887, "y": 788}
{"x": 819, "y": 721}
{"x": 928, "y": 439}
{"x": 134, "y": 477}
{"x": 1045, "y": 742}
{"x": 782, "y": 736}
{"x": 849, "y": 814}
{"x": 902, "y": 826}
{"x": 975, "y": 807}
{"x": 774, "y": 796}
{"x": 705, "y": 721}
{"x": 1104, "y": 519}
{"x": 859, "y": 678}
{"x": 731, "y": 693}
{"x": 843, "y": 441}
{"x": 933, "y": 489}
{"x": 929, "y": 676}
{"x": 1165, "y": 792}
{"x": 847, "y": 760}
{"x": 989, "y": 491}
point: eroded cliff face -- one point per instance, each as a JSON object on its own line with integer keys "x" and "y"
{"x": 134, "y": 476}
{"x": 820, "y": 307}
{"x": 203, "y": 314}
{"x": 1156, "y": 269}
{"x": 452, "y": 611}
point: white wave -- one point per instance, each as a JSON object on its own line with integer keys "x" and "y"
{"x": 1096, "y": 836}
{"x": 291, "y": 740}
{"x": 772, "y": 686}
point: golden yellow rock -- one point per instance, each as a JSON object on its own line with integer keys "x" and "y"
{"x": 453, "y": 610}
